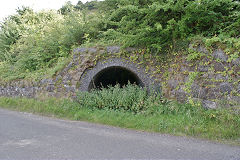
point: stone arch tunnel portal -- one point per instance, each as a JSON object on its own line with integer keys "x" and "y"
{"x": 112, "y": 76}
{"x": 116, "y": 71}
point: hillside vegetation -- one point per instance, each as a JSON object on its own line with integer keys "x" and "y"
{"x": 40, "y": 45}
{"x": 33, "y": 44}
{"x": 132, "y": 107}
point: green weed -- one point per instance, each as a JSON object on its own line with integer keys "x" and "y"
{"x": 32, "y": 42}
{"x": 156, "y": 115}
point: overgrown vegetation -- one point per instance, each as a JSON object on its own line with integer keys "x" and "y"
{"x": 132, "y": 107}
{"x": 156, "y": 24}
{"x": 37, "y": 44}
{"x": 132, "y": 99}
{"x": 33, "y": 44}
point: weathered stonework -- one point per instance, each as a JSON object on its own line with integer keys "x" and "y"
{"x": 210, "y": 80}
{"x": 216, "y": 84}
{"x": 144, "y": 80}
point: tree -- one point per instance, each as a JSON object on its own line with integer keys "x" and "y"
{"x": 66, "y": 8}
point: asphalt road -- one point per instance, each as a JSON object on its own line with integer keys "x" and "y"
{"x": 26, "y": 136}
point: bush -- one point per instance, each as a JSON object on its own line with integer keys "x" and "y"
{"x": 130, "y": 98}
{"x": 35, "y": 41}
{"x": 30, "y": 44}
{"x": 9, "y": 34}
{"x": 31, "y": 41}
{"x": 133, "y": 99}
{"x": 155, "y": 24}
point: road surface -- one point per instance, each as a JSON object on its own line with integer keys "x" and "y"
{"x": 27, "y": 136}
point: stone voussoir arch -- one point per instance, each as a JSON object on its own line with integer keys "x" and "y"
{"x": 116, "y": 70}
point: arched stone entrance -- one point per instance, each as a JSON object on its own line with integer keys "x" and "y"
{"x": 114, "y": 75}
{"x": 115, "y": 71}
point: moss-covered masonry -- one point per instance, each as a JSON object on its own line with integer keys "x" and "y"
{"x": 199, "y": 76}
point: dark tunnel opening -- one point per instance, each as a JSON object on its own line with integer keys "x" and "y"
{"x": 112, "y": 76}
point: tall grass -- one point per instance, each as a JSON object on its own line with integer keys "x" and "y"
{"x": 131, "y": 107}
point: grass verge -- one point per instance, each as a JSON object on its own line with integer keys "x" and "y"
{"x": 218, "y": 125}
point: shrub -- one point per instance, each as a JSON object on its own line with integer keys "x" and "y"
{"x": 155, "y": 24}
{"x": 133, "y": 99}
{"x": 31, "y": 41}
{"x": 130, "y": 98}
{"x": 34, "y": 41}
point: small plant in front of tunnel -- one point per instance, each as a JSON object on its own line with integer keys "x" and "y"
{"x": 125, "y": 98}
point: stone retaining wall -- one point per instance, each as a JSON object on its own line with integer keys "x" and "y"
{"x": 213, "y": 80}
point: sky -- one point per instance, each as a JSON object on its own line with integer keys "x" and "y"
{"x": 8, "y": 7}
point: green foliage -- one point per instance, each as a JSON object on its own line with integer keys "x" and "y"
{"x": 156, "y": 24}
{"x": 10, "y": 31}
{"x": 9, "y": 34}
{"x": 130, "y": 98}
{"x": 91, "y": 5}
{"x": 33, "y": 41}
{"x": 160, "y": 116}
{"x": 193, "y": 55}
{"x": 29, "y": 47}
{"x": 68, "y": 7}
